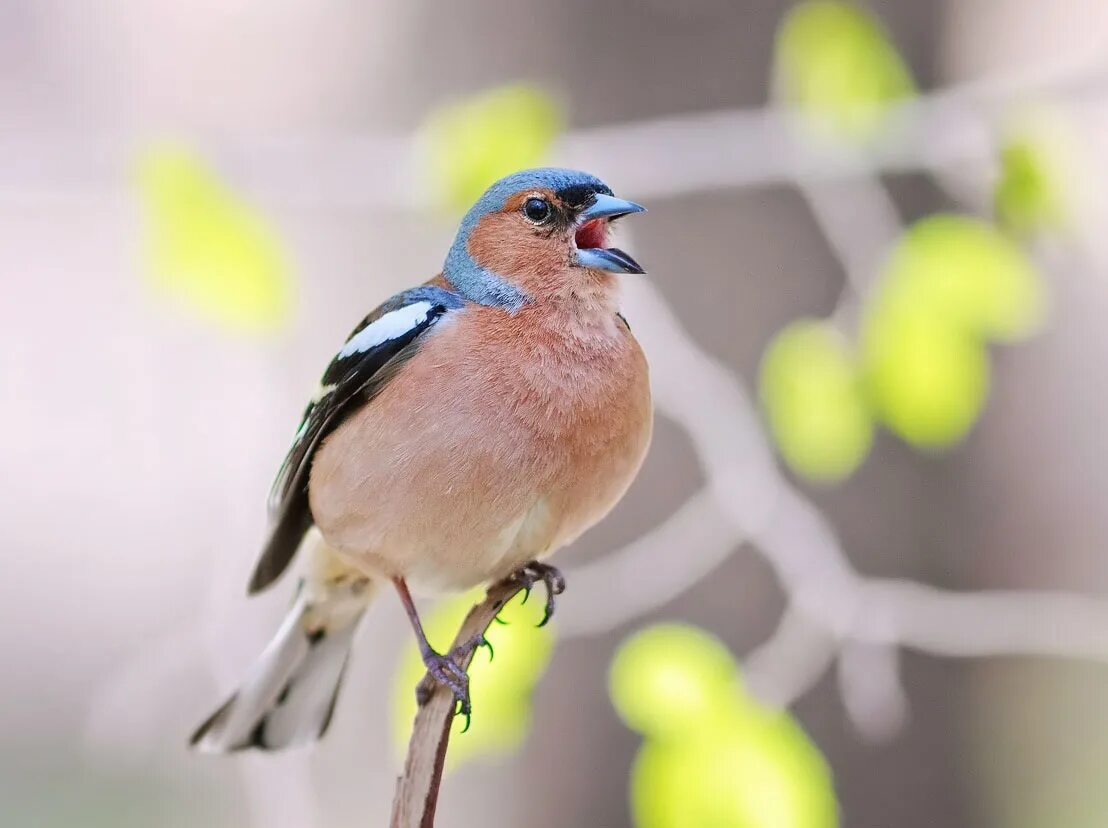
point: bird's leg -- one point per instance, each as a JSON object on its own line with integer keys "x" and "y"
{"x": 445, "y": 669}
{"x": 530, "y": 574}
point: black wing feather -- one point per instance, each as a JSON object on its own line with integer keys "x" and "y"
{"x": 350, "y": 381}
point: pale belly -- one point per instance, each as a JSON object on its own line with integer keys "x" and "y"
{"x": 451, "y": 490}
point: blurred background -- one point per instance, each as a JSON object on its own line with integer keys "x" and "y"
{"x": 871, "y": 520}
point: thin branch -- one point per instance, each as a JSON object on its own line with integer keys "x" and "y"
{"x": 790, "y": 662}
{"x": 861, "y": 236}
{"x": 417, "y": 789}
{"x": 663, "y": 157}
{"x": 871, "y": 688}
{"x": 860, "y": 221}
{"x": 834, "y": 613}
{"x": 616, "y": 588}
{"x": 978, "y": 623}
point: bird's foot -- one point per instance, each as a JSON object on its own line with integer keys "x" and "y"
{"x": 530, "y": 574}
{"x": 447, "y": 670}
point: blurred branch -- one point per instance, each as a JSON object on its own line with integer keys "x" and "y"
{"x": 983, "y": 623}
{"x": 417, "y": 789}
{"x": 616, "y": 588}
{"x": 869, "y": 675}
{"x": 871, "y": 689}
{"x": 743, "y": 148}
{"x": 833, "y": 613}
{"x": 790, "y": 661}
{"x": 663, "y": 157}
{"x": 860, "y": 236}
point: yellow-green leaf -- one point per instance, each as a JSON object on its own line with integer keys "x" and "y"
{"x": 733, "y": 776}
{"x": 671, "y": 678}
{"x": 814, "y": 401}
{"x": 927, "y": 379}
{"x": 712, "y": 756}
{"x": 472, "y": 143}
{"x": 209, "y": 249}
{"x": 1030, "y": 192}
{"x": 837, "y": 66}
{"x": 500, "y": 690}
{"x": 965, "y": 272}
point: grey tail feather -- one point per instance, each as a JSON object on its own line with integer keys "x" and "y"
{"x": 289, "y": 696}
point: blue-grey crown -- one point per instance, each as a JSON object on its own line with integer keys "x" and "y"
{"x": 475, "y": 282}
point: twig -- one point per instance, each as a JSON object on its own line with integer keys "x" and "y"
{"x": 649, "y": 159}
{"x": 833, "y": 612}
{"x": 868, "y": 674}
{"x": 417, "y": 789}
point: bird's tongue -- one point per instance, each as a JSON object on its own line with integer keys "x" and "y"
{"x": 592, "y": 234}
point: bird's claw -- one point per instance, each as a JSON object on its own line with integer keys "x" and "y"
{"x": 443, "y": 670}
{"x": 551, "y": 577}
{"x": 464, "y": 650}
{"x": 447, "y": 671}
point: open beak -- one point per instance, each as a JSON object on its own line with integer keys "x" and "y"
{"x": 592, "y": 232}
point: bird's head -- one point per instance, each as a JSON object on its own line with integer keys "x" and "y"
{"x": 537, "y": 234}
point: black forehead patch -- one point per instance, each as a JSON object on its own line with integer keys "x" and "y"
{"x": 578, "y": 195}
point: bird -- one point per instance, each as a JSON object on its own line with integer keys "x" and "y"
{"x": 466, "y": 430}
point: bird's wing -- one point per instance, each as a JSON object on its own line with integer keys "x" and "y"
{"x": 364, "y": 365}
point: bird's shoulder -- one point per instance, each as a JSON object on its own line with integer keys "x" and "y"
{"x": 392, "y": 324}
{"x": 367, "y": 359}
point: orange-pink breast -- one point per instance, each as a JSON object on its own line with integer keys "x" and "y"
{"x": 502, "y": 439}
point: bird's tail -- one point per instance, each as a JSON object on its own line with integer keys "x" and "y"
{"x": 289, "y": 695}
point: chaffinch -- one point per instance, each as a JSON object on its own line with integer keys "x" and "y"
{"x": 466, "y": 430}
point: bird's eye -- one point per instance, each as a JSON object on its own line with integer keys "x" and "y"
{"x": 537, "y": 209}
